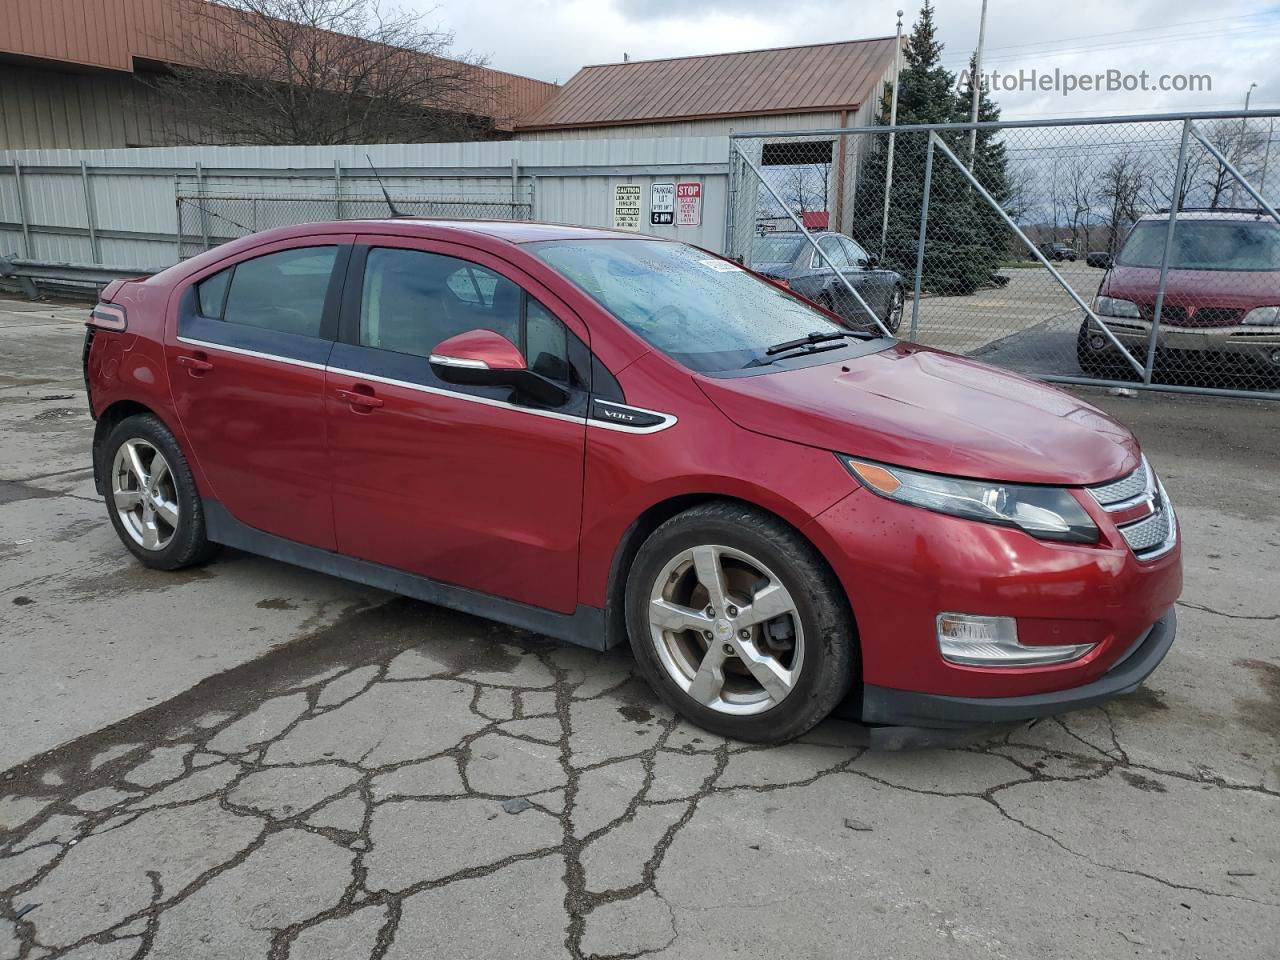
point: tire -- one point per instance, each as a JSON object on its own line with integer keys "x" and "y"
{"x": 1102, "y": 363}
{"x": 897, "y": 306}
{"x": 151, "y": 496}
{"x": 699, "y": 665}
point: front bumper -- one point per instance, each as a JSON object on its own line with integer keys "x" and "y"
{"x": 886, "y": 706}
{"x": 1247, "y": 343}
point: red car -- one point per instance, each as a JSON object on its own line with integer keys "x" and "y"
{"x": 1221, "y": 306}
{"x": 604, "y": 437}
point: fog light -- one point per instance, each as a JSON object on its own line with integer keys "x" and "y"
{"x": 975, "y": 641}
{"x": 1275, "y": 357}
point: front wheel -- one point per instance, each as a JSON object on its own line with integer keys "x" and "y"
{"x": 739, "y": 625}
{"x": 1098, "y": 356}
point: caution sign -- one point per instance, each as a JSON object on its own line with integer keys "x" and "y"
{"x": 662, "y": 204}
{"x": 688, "y": 204}
{"x": 626, "y": 206}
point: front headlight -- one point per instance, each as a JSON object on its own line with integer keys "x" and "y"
{"x": 1047, "y": 513}
{"x": 1112, "y": 307}
{"x": 1263, "y": 316}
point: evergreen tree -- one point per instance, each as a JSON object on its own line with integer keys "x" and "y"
{"x": 965, "y": 238}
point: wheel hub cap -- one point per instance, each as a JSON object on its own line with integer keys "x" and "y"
{"x": 710, "y": 612}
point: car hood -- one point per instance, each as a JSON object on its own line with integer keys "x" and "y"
{"x": 921, "y": 408}
{"x": 1195, "y": 289}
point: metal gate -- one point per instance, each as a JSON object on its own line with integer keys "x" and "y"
{"x": 1140, "y": 251}
{"x": 207, "y": 217}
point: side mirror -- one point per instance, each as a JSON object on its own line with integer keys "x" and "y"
{"x": 483, "y": 358}
{"x": 1100, "y": 259}
{"x": 871, "y": 262}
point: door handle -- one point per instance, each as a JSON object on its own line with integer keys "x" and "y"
{"x": 360, "y": 399}
{"x": 196, "y": 365}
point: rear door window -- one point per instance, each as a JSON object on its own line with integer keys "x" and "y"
{"x": 284, "y": 291}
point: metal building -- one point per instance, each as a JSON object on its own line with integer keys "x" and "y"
{"x": 72, "y": 75}
{"x": 819, "y": 86}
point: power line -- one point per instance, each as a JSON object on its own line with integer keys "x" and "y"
{"x": 1272, "y": 12}
{"x": 1120, "y": 45}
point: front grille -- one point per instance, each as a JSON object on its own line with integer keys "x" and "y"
{"x": 1152, "y": 535}
{"x": 1126, "y": 488}
{"x": 1176, "y": 315}
{"x": 1148, "y": 533}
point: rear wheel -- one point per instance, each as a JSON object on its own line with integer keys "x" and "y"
{"x": 893, "y": 319}
{"x": 151, "y": 495}
{"x": 739, "y": 625}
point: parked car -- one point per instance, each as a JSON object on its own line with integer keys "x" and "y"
{"x": 1058, "y": 251}
{"x": 790, "y": 259}
{"x": 1222, "y": 295}
{"x": 605, "y": 437}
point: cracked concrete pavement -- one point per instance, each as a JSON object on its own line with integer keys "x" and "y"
{"x": 251, "y": 761}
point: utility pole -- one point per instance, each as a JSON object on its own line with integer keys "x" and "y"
{"x": 893, "y": 120}
{"x": 975, "y": 83}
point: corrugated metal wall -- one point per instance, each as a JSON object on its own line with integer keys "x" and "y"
{"x": 55, "y": 108}
{"x": 128, "y": 196}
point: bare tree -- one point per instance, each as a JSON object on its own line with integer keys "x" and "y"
{"x": 1242, "y": 145}
{"x": 1081, "y": 190}
{"x": 1120, "y": 189}
{"x": 806, "y": 186}
{"x": 321, "y": 72}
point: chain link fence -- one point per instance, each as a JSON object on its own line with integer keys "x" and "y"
{"x": 207, "y": 218}
{"x": 1047, "y": 249}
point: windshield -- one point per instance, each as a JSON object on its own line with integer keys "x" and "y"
{"x": 707, "y": 313}
{"x": 767, "y": 249}
{"x": 1205, "y": 245}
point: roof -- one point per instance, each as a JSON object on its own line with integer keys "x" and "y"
{"x": 810, "y": 79}
{"x": 512, "y": 231}
{"x": 116, "y": 34}
{"x": 1206, "y": 213}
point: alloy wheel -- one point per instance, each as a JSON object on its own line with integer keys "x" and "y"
{"x": 726, "y": 630}
{"x": 144, "y": 494}
{"x": 894, "y": 319}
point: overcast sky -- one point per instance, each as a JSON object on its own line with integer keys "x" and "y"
{"x": 1234, "y": 42}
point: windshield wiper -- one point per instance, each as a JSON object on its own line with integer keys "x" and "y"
{"x": 808, "y": 339}
{"x": 799, "y": 348}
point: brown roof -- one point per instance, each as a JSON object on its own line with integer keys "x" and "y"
{"x": 811, "y": 79}
{"x": 112, "y": 34}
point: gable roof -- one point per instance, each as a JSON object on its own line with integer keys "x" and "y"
{"x": 809, "y": 79}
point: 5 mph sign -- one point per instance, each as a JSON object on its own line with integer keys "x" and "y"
{"x": 662, "y": 204}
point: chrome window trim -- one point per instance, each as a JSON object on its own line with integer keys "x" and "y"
{"x": 205, "y": 344}
{"x": 669, "y": 420}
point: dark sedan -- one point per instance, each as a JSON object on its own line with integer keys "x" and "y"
{"x": 790, "y": 258}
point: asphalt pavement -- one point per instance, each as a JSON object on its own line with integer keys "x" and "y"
{"x": 253, "y": 761}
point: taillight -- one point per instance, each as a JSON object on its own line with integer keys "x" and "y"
{"x": 108, "y": 316}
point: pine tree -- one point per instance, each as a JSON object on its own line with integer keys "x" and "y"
{"x": 965, "y": 237}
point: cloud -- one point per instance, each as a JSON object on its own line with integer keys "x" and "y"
{"x": 552, "y": 39}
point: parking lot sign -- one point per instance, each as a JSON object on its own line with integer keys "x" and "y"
{"x": 662, "y": 204}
